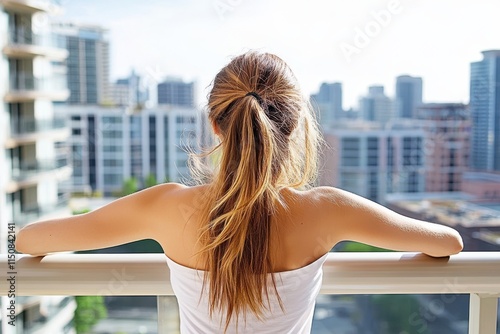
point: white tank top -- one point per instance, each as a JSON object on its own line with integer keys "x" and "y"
{"x": 297, "y": 288}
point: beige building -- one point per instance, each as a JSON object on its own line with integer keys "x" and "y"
{"x": 372, "y": 159}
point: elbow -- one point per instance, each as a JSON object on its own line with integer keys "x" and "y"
{"x": 22, "y": 243}
{"x": 457, "y": 244}
{"x": 451, "y": 246}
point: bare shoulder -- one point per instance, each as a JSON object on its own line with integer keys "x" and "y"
{"x": 327, "y": 197}
{"x": 160, "y": 192}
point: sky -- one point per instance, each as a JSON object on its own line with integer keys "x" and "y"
{"x": 359, "y": 43}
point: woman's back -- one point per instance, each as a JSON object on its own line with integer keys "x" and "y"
{"x": 297, "y": 239}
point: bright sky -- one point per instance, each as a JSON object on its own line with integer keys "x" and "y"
{"x": 193, "y": 39}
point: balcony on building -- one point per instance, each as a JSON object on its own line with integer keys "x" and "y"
{"x": 472, "y": 273}
{"x": 40, "y": 211}
{"x": 32, "y": 6}
{"x": 27, "y": 173}
{"x": 29, "y": 130}
{"x": 24, "y": 43}
{"x": 26, "y": 87}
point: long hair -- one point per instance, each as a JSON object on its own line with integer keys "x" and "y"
{"x": 269, "y": 141}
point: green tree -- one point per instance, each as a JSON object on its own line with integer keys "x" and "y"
{"x": 80, "y": 211}
{"x": 89, "y": 310}
{"x": 129, "y": 186}
{"x": 396, "y": 313}
{"x": 150, "y": 180}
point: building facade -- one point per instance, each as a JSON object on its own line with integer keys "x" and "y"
{"x": 33, "y": 156}
{"x": 87, "y": 63}
{"x": 376, "y": 106}
{"x": 109, "y": 146}
{"x": 328, "y": 103}
{"x": 129, "y": 92}
{"x": 176, "y": 92}
{"x": 485, "y": 112}
{"x": 447, "y": 144}
{"x": 372, "y": 159}
{"x": 408, "y": 95}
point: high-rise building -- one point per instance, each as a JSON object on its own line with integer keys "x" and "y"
{"x": 447, "y": 145}
{"x": 485, "y": 112}
{"x": 376, "y": 106}
{"x": 88, "y": 62}
{"x": 129, "y": 92}
{"x": 33, "y": 156}
{"x": 109, "y": 145}
{"x": 328, "y": 102}
{"x": 372, "y": 159}
{"x": 408, "y": 95}
{"x": 176, "y": 92}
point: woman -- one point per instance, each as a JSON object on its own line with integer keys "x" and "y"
{"x": 246, "y": 248}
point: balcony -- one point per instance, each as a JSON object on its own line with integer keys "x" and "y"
{"x": 26, "y": 44}
{"x": 26, "y": 87}
{"x": 27, "y": 131}
{"x": 474, "y": 273}
{"x": 32, "y": 6}
{"x": 30, "y": 173}
{"x": 37, "y": 212}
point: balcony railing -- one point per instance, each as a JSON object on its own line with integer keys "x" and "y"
{"x": 35, "y": 212}
{"x": 27, "y": 37}
{"x": 28, "y": 169}
{"x": 474, "y": 273}
{"x": 26, "y": 87}
{"x": 28, "y": 82}
{"x": 28, "y": 126}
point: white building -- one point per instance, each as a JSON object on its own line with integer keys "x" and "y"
{"x": 372, "y": 159}
{"x": 88, "y": 62}
{"x": 376, "y": 106}
{"x": 33, "y": 158}
{"x": 108, "y": 145}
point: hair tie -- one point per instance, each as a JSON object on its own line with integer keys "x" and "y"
{"x": 254, "y": 94}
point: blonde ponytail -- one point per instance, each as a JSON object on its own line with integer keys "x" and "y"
{"x": 268, "y": 141}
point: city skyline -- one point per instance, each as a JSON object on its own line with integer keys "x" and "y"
{"x": 407, "y": 37}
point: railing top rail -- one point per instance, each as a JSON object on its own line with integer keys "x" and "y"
{"x": 344, "y": 273}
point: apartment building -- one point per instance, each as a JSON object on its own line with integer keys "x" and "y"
{"x": 110, "y": 145}
{"x": 447, "y": 147}
{"x": 373, "y": 159}
{"x": 33, "y": 155}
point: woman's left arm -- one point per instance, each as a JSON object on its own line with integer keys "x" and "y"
{"x": 131, "y": 218}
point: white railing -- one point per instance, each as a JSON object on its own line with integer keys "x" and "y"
{"x": 474, "y": 273}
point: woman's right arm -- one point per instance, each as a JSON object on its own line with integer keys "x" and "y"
{"x": 347, "y": 216}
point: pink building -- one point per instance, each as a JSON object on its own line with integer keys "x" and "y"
{"x": 447, "y": 146}
{"x": 484, "y": 186}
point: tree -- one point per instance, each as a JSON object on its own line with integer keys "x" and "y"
{"x": 129, "y": 186}
{"x": 150, "y": 180}
{"x": 89, "y": 310}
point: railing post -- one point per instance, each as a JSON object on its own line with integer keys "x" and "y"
{"x": 168, "y": 316}
{"x": 162, "y": 312}
{"x": 483, "y": 314}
